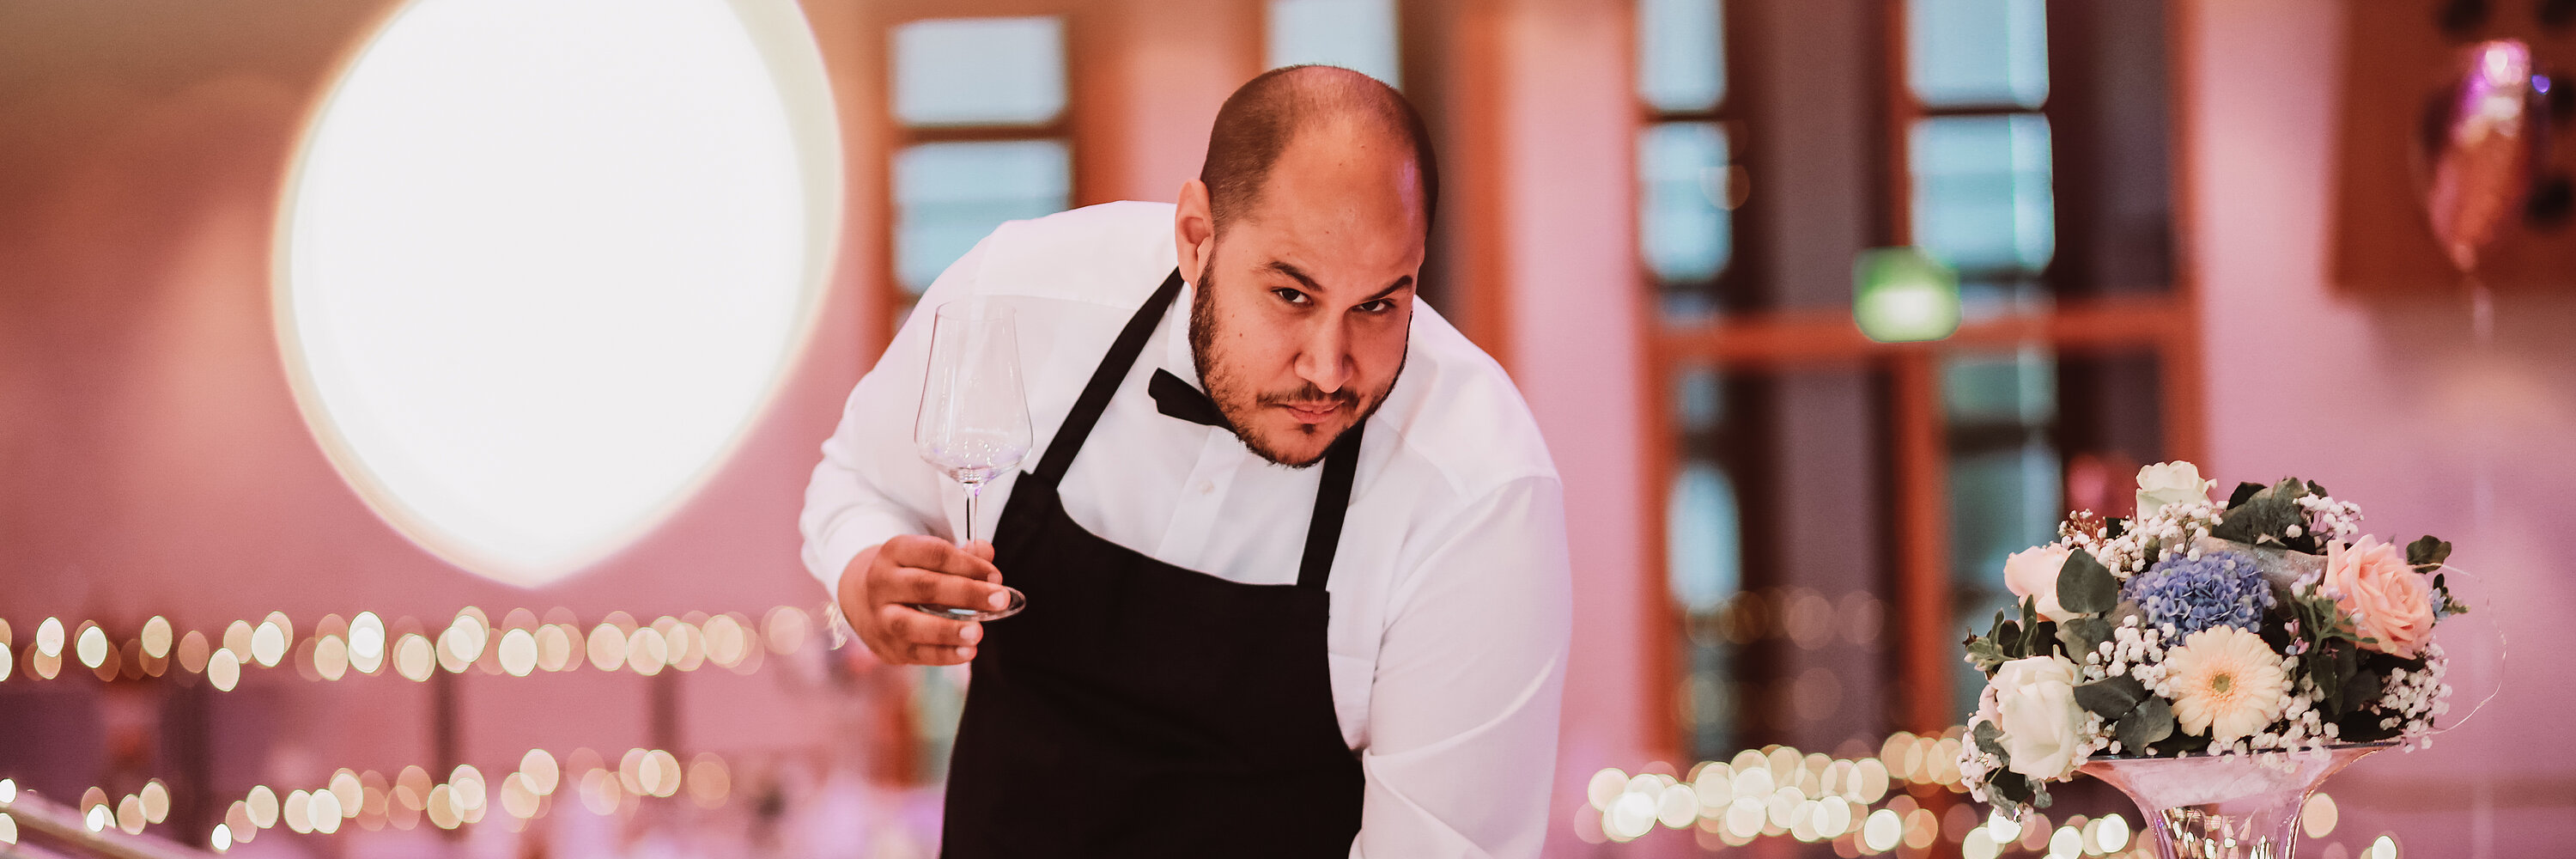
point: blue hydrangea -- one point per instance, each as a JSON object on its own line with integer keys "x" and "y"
{"x": 2218, "y": 589}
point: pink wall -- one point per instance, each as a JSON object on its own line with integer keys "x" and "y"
{"x": 2393, "y": 404}
{"x": 153, "y": 461}
{"x": 1576, "y": 350}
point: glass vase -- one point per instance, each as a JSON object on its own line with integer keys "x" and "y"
{"x": 2225, "y": 807}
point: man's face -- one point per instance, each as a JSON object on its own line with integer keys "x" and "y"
{"x": 1300, "y": 319}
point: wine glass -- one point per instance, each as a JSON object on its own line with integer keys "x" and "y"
{"x": 974, "y": 420}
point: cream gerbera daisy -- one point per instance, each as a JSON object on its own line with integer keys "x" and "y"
{"x": 2226, "y": 683}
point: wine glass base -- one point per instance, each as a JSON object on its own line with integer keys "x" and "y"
{"x": 1018, "y": 602}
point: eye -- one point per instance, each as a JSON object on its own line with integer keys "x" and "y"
{"x": 1291, "y": 296}
{"x": 1379, "y": 306}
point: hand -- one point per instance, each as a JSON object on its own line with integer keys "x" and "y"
{"x": 919, "y": 569}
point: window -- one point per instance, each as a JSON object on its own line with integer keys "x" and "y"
{"x": 980, "y": 107}
{"x": 1688, "y": 187}
{"x": 1836, "y": 509}
{"x": 491, "y": 252}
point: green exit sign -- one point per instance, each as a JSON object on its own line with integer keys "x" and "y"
{"x": 1903, "y": 295}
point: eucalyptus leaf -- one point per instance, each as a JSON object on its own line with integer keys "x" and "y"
{"x": 2428, "y": 553}
{"x": 2085, "y": 586}
{"x": 2265, "y": 515}
{"x": 2111, "y": 697}
{"x": 2244, "y": 492}
{"x": 2150, "y": 722}
{"x": 2083, "y": 635}
{"x": 1987, "y": 657}
{"x": 1990, "y": 740}
{"x": 2013, "y": 787}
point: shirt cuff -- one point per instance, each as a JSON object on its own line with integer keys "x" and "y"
{"x": 846, "y": 536}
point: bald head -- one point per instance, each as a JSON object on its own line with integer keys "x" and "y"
{"x": 1275, "y": 110}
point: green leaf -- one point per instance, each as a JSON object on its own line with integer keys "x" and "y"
{"x": 2008, "y": 640}
{"x": 2244, "y": 492}
{"x": 2337, "y": 663}
{"x": 2085, "y": 586}
{"x": 2428, "y": 553}
{"x": 2013, "y": 787}
{"x": 2179, "y": 742}
{"x": 2150, "y": 722}
{"x": 2110, "y": 697}
{"x": 1990, "y": 740}
{"x": 1983, "y": 654}
{"x": 2266, "y": 515}
{"x": 2317, "y": 490}
{"x": 2082, "y": 635}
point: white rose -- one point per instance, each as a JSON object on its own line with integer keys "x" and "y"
{"x": 2033, "y": 573}
{"x": 2036, "y": 711}
{"x": 2170, "y": 483}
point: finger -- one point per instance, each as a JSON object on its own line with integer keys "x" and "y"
{"x": 928, "y": 654}
{"x": 908, "y": 625}
{"x": 983, "y": 551}
{"x": 940, "y": 556}
{"x": 913, "y": 584}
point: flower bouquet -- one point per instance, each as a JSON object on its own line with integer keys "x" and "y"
{"x": 2265, "y": 625}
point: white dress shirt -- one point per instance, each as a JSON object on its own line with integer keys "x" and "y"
{"x": 1449, "y": 597}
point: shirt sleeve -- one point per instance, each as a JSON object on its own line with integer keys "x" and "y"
{"x": 1470, "y": 676}
{"x": 870, "y": 486}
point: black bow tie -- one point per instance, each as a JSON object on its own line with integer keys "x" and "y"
{"x": 1176, "y": 398}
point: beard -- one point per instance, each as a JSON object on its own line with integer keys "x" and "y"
{"x": 1237, "y": 402}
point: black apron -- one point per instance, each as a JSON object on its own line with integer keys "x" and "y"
{"x": 1142, "y": 709}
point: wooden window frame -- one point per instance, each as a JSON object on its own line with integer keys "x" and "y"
{"x": 1923, "y": 644}
{"x": 886, "y": 294}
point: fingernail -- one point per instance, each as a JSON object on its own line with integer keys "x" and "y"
{"x": 1000, "y": 600}
{"x": 965, "y": 653}
{"x": 972, "y": 633}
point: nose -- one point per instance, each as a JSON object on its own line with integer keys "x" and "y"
{"x": 1325, "y": 359}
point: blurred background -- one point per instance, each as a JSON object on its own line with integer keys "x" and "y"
{"x": 405, "y": 406}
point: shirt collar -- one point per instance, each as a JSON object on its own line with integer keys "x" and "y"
{"x": 1176, "y": 338}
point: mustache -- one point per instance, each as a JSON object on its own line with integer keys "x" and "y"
{"x": 1311, "y": 395}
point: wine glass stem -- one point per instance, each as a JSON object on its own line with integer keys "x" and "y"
{"x": 973, "y": 489}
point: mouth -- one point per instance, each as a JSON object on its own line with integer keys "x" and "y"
{"x": 1312, "y": 413}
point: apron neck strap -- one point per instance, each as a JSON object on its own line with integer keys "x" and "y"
{"x": 1341, "y": 461}
{"x": 1332, "y": 500}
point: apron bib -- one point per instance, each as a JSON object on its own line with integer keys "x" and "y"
{"x": 1143, "y": 709}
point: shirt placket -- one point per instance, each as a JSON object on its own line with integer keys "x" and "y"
{"x": 1194, "y": 519}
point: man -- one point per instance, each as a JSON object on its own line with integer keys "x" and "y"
{"x": 1308, "y": 612}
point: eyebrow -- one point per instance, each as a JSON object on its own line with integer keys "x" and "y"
{"x": 1284, "y": 267}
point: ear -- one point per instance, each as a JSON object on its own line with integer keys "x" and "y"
{"x": 1194, "y": 231}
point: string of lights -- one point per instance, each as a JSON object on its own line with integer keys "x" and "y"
{"x": 520, "y": 645}
{"x": 1780, "y": 792}
{"x": 371, "y": 800}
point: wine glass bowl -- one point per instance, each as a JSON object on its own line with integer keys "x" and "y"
{"x": 974, "y": 419}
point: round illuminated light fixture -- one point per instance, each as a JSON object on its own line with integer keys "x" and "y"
{"x": 543, "y": 262}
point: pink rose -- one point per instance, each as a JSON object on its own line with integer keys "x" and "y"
{"x": 2033, "y": 573}
{"x": 2387, "y": 598}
